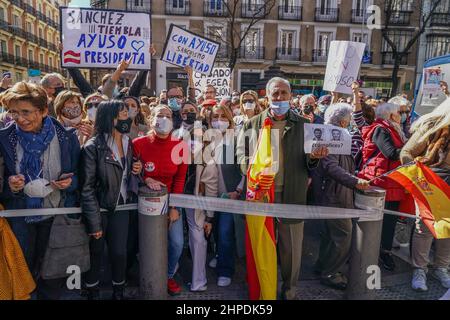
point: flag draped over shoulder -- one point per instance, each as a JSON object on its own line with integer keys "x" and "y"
{"x": 431, "y": 194}
{"x": 260, "y": 243}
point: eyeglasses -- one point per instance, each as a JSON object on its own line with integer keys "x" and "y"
{"x": 248, "y": 101}
{"x": 23, "y": 113}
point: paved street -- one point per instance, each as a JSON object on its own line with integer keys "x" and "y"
{"x": 395, "y": 285}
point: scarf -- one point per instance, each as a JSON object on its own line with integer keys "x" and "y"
{"x": 34, "y": 145}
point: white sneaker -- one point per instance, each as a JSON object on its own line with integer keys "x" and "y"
{"x": 213, "y": 263}
{"x": 441, "y": 274}
{"x": 419, "y": 280}
{"x": 201, "y": 289}
{"x": 223, "y": 281}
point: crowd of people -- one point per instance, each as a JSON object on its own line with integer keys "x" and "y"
{"x": 92, "y": 148}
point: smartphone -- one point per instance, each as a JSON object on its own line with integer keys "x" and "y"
{"x": 65, "y": 176}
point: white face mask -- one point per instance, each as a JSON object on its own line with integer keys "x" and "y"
{"x": 37, "y": 188}
{"x": 92, "y": 113}
{"x": 132, "y": 112}
{"x": 163, "y": 125}
{"x": 249, "y": 106}
{"x": 72, "y": 122}
{"x": 220, "y": 125}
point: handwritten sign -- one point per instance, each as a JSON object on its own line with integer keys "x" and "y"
{"x": 220, "y": 78}
{"x": 337, "y": 140}
{"x": 344, "y": 61}
{"x": 184, "y": 48}
{"x": 97, "y": 38}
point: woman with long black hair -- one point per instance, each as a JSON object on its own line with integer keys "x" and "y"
{"x": 106, "y": 167}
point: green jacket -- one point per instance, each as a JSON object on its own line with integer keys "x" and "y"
{"x": 296, "y": 162}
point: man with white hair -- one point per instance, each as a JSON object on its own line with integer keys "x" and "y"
{"x": 53, "y": 84}
{"x": 308, "y": 108}
{"x": 291, "y": 180}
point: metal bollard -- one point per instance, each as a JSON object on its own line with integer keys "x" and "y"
{"x": 365, "y": 248}
{"x": 153, "y": 208}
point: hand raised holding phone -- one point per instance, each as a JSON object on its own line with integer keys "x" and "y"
{"x": 64, "y": 181}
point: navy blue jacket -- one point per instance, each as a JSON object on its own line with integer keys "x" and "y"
{"x": 70, "y": 153}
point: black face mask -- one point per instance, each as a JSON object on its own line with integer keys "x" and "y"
{"x": 58, "y": 90}
{"x": 190, "y": 118}
{"x": 123, "y": 126}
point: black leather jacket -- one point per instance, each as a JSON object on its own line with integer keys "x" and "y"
{"x": 101, "y": 177}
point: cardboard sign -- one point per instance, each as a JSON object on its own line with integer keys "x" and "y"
{"x": 336, "y": 139}
{"x": 220, "y": 78}
{"x": 97, "y": 38}
{"x": 184, "y": 48}
{"x": 344, "y": 61}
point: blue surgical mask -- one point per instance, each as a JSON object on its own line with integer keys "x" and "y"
{"x": 173, "y": 104}
{"x": 404, "y": 118}
{"x": 280, "y": 108}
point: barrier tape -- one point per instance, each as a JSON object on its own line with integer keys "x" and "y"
{"x": 289, "y": 211}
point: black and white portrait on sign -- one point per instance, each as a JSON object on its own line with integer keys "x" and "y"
{"x": 335, "y": 135}
{"x": 318, "y": 135}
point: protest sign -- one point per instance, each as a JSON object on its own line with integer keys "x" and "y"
{"x": 344, "y": 61}
{"x": 184, "y": 48}
{"x": 97, "y": 38}
{"x": 337, "y": 140}
{"x": 432, "y": 78}
{"x": 220, "y": 78}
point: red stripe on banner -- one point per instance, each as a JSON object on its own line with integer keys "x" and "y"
{"x": 66, "y": 60}
{"x": 70, "y": 52}
{"x": 254, "y": 289}
{"x": 270, "y": 228}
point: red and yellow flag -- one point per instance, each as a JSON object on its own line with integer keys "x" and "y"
{"x": 431, "y": 194}
{"x": 260, "y": 243}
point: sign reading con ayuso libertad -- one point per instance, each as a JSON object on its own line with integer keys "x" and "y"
{"x": 97, "y": 38}
{"x": 337, "y": 140}
{"x": 184, "y": 48}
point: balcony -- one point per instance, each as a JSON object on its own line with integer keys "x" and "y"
{"x": 251, "y": 10}
{"x": 178, "y": 7}
{"x": 41, "y": 16}
{"x": 29, "y": 9}
{"x": 327, "y": 15}
{"x": 223, "y": 52}
{"x": 146, "y": 6}
{"x": 290, "y": 13}
{"x": 98, "y": 4}
{"x": 214, "y": 8}
{"x": 5, "y": 25}
{"x": 360, "y": 16}
{"x": 33, "y": 65}
{"x": 18, "y": 3}
{"x": 43, "y": 43}
{"x": 320, "y": 55}
{"x": 52, "y": 46}
{"x": 255, "y": 53}
{"x": 388, "y": 58}
{"x": 440, "y": 19}
{"x": 400, "y": 18}
{"x": 18, "y": 31}
{"x": 6, "y": 58}
{"x": 31, "y": 37}
{"x": 21, "y": 62}
{"x": 288, "y": 54}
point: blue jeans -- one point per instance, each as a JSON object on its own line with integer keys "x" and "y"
{"x": 225, "y": 244}
{"x": 175, "y": 245}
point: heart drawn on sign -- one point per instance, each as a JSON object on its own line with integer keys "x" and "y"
{"x": 137, "y": 45}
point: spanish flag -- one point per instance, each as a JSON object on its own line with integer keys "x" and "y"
{"x": 260, "y": 240}
{"x": 431, "y": 194}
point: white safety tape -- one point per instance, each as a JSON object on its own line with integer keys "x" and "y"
{"x": 289, "y": 211}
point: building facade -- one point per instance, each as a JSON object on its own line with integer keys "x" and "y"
{"x": 29, "y": 38}
{"x": 435, "y": 41}
{"x": 294, "y": 36}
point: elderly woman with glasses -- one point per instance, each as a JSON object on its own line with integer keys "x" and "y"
{"x": 383, "y": 142}
{"x": 333, "y": 182}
